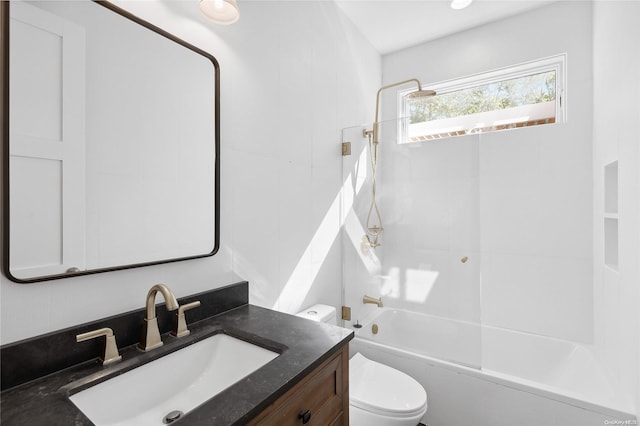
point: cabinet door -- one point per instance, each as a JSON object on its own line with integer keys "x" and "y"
{"x": 47, "y": 152}
{"x": 322, "y": 398}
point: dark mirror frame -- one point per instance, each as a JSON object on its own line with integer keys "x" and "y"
{"x": 4, "y": 124}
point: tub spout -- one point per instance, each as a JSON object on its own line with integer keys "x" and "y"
{"x": 372, "y": 300}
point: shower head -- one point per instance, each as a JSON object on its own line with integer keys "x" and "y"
{"x": 420, "y": 93}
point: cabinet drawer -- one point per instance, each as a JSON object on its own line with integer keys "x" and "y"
{"x": 319, "y": 399}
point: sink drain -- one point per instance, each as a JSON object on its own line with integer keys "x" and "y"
{"x": 172, "y": 417}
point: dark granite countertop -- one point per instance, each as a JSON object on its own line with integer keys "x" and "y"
{"x": 303, "y": 345}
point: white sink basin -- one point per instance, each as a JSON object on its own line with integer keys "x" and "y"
{"x": 179, "y": 381}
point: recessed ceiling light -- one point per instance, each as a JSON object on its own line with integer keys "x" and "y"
{"x": 223, "y": 12}
{"x": 460, "y": 4}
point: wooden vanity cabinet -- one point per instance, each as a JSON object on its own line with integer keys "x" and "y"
{"x": 321, "y": 398}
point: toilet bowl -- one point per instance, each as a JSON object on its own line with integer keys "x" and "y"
{"x": 383, "y": 396}
{"x": 378, "y": 394}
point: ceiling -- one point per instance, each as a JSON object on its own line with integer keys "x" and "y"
{"x": 391, "y": 25}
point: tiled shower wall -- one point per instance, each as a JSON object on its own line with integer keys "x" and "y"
{"x": 616, "y": 66}
{"x": 517, "y": 203}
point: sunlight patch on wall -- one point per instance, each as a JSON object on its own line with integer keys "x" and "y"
{"x": 416, "y": 287}
{"x": 301, "y": 279}
{"x": 340, "y": 212}
{"x": 418, "y": 284}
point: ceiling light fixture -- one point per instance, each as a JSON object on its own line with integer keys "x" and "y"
{"x": 460, "y": 4}
{"x": 223, "y": 12}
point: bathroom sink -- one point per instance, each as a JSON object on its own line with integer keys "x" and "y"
{"x": 173, "y": 384}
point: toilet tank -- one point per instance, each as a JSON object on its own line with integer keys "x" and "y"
{"x": 320, "y": 313}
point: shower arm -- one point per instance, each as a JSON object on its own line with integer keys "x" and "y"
{"x": 375, "y": 130}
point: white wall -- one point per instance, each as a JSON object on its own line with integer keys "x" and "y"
{"x": 292, "y": 75}
{"x": 286, "y": 159}
{"x": 517, "y": 203}
{"x": 616, "y": 65}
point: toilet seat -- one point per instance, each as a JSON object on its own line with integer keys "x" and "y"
{"x": 380, "y": 389}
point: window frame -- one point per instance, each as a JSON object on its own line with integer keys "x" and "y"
{"x": 557, "y": 63}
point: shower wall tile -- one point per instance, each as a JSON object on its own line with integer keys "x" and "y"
{"x": 513, "y": 153}
{"x": 542, "y": 295}
{"x": 518, "y": 203}
{"x": 429, "y": 203}
{"x": 426, "y": 280}
{"x": 425, "y": 161}
{"x": 543, "y": 206}
{"x": 616, "y": 113}
{"x": 510, "y": 213}
{"x": 465, "y": 231}
{"x": 536, "y": 216}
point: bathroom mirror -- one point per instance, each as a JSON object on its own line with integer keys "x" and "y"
{"x": 110, "y": 142}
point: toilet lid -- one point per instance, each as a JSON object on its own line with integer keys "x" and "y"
{"x": 380, "y": 389}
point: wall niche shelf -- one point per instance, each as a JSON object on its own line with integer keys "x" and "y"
{"x": 610, "y": 215}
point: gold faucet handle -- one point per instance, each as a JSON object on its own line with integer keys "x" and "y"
{"x": 181, "y": 329}
{"x": 111, "y": 353}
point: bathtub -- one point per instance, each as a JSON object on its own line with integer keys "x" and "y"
{"x": 487, "y": 376}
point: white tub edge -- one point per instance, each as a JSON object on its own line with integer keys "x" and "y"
{"x": 533, "y": 388}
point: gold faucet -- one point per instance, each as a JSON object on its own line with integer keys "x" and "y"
{"x": 150, "y": 338}
{"x": 373, "y": 300}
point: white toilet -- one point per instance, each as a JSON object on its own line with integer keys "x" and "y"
{"x": 378, "y": 394}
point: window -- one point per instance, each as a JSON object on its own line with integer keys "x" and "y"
{"x": 525, "y": 95}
